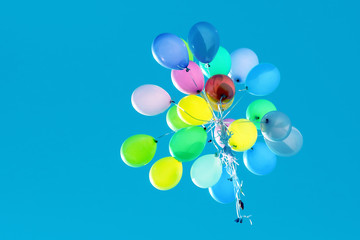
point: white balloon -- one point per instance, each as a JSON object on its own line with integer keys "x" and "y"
{"x": 150, "y": 100}
{"x": 206, "y": 171}
{"x": 242, "y": 61}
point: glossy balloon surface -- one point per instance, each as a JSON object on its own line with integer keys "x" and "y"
{"x": 275, "y": 126}
{"x": 259, "y": 159}
{"x": 194, "y": 110}
{"x": 174, "y": 121}
{"x": 223, "y": 190}
{"x": 221, "y": 64}
{"x": 244, "y": 135}
{"x": 257, "y": 109}
{"x": 190, "y": 80}
{"x": 166, "y": 173}
{"x": 150, "y": 100}
{"x": 220, "y": 87}
{"x": 206, "y": 171}
{"x": 242, "y": 61}
{"x": 263, "y": 79}
{"x": 170, "y": 51}
{"x": 138, "y": 150}
{"x": 289, "y": 146}
{"x": 204, "y": 41}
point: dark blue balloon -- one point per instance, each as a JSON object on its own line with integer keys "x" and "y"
{"x": 170, "y": 51}
{"x": 259, "y": 160}
{"x": 204, "y": 41}
{"x": 223, "y": 190}
{"x": 263, "y": 79}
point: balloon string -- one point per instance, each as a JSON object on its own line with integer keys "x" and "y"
{"x": 165, "y": 135}
{"x": 205, "y": 121}
{"x": 233, "y": 106}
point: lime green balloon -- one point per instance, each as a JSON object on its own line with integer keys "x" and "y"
{"x": 138, "y": 150}
{"x": 188, "y": 143}
{"x": 191, "y": 56}
{"x": 174, "y": 121}
{"x": 221, "y": 64}
{"x": 257, "y": 109}
{"x": 166, "y": 173}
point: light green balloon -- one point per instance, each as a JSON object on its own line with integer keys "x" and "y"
{"x": 206, "y": 171}
{"x": 191, "y": 56}
{"x": 174, "y": 121}
{"x": 257, "y": 109}
{"x": 138, "y": 150}
{"x": 188, "y": 143}
{"x": 221, "y": 64}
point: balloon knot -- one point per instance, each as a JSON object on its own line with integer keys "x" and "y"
{"x": 187, "y": 69}
{"x": 156, "y": 141}
{"x": 204, "y": 128}
{"x": 247, "y": 88}
{"x": 198, "y": 91}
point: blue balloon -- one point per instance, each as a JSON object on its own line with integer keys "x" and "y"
{"x": 263, "y": 79}
{"x": 170, "y": 51}
{"x": 242, "y": 61}
{"x": 223, "y": 190}
{"x": 275, "y": 126}
{"x": 289, "y": 146}
{"x": 204, "y": 41}
{"x": 259, "y": 159}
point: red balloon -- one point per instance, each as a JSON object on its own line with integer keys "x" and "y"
{"x": 220, "y": 87}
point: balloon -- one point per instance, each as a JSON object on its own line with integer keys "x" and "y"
{"x": 275, "y": 126}
{"x": 223, "y": 190}
{"x": 204, "y": 41}
{"x": 221, "y": 64}
{"x": 170, "y": 51}
{"x": 224, "y": 106}
{"x": 191, "y": 56}
{"x": 138, "y": 150}
{"x": 217, "y": 131}
{"x": 289, "y": 146}
{"x": 150, "y": 100}
{"x": 190, "y": 80}
{"x": 242, "y": 61}
{"x": 259, "y": 159}
{"x": 174, "y": 121}
{"x": 194, "y": 110}
{"x": 206, "y": 171}
{"x": 220, "y": 87}
{"x": 244, "y": 135}
{"x": 188, "y": 143}
{"x": 166, "y": 173}
{"x": 263, "y": 79}
{"x": 257, "y": 109}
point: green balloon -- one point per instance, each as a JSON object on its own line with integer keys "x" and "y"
{"x": 221, "y": 64}
{"x": 138, "y": 150}
{"x": 188, "y": 143}
{"x": 191, "y": 56}
{"x": 257, "y": 109}
{"x": 174, "y": 121}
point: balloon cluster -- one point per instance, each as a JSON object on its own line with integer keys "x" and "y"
{"x": 204, "y": 111}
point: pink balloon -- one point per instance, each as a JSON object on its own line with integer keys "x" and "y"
{"x": 217, "y": 131}
{"x": 188, "y": 81}
{"x": 150, "y": 100}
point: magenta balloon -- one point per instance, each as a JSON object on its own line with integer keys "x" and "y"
{"x": 150, "y": 100}
{"x": 217, "y": 131}
{"x": 188, "y": 81}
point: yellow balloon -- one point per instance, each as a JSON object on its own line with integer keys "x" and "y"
{"x": 244, "y": 135}
{"x": 194, "y": 110}
{"x": 224, "y": 106}
{"x": 165, "y": 173}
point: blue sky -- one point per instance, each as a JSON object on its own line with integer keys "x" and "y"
{"x": 67, "y": 71}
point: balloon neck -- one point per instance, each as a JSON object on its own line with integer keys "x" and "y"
{"x": 204, "y": 128}
{"x": 198, "y": 91}
{"x": 246, "y": 88}
{"x": 207, "y": 65}
{"x": 187, "y": 69}
{"x": 156, "y": 141}
{"x": 266, "y": 120}
{"x": 237, "y": 80}
{"x": 172, "y": 101}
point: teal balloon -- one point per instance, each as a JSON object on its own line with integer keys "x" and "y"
{"x": 259, "y": 159}
{"x": 221, "y": 64}
{"x": 188, "y": 143}
{"x": 223, "y": 190}
{"x": 206, "y": 171}
{"x": 287, "y": 147}
{"x": 263, "y": 79}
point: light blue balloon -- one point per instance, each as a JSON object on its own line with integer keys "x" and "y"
{"x": 170, "y": 51}
{"x": 223, "y": 190}
{"x": 242, "y": 61}
{"x": 275, "y": 126}
{"x": 259, "y": 159}
{"x": 289, "y": 146}
{"x": 206, "y": 171}
{"x": 204, "y": 41}
{"x": 263, "y": 79}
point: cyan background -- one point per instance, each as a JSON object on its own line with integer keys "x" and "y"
{"x": 67, "y": 71}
